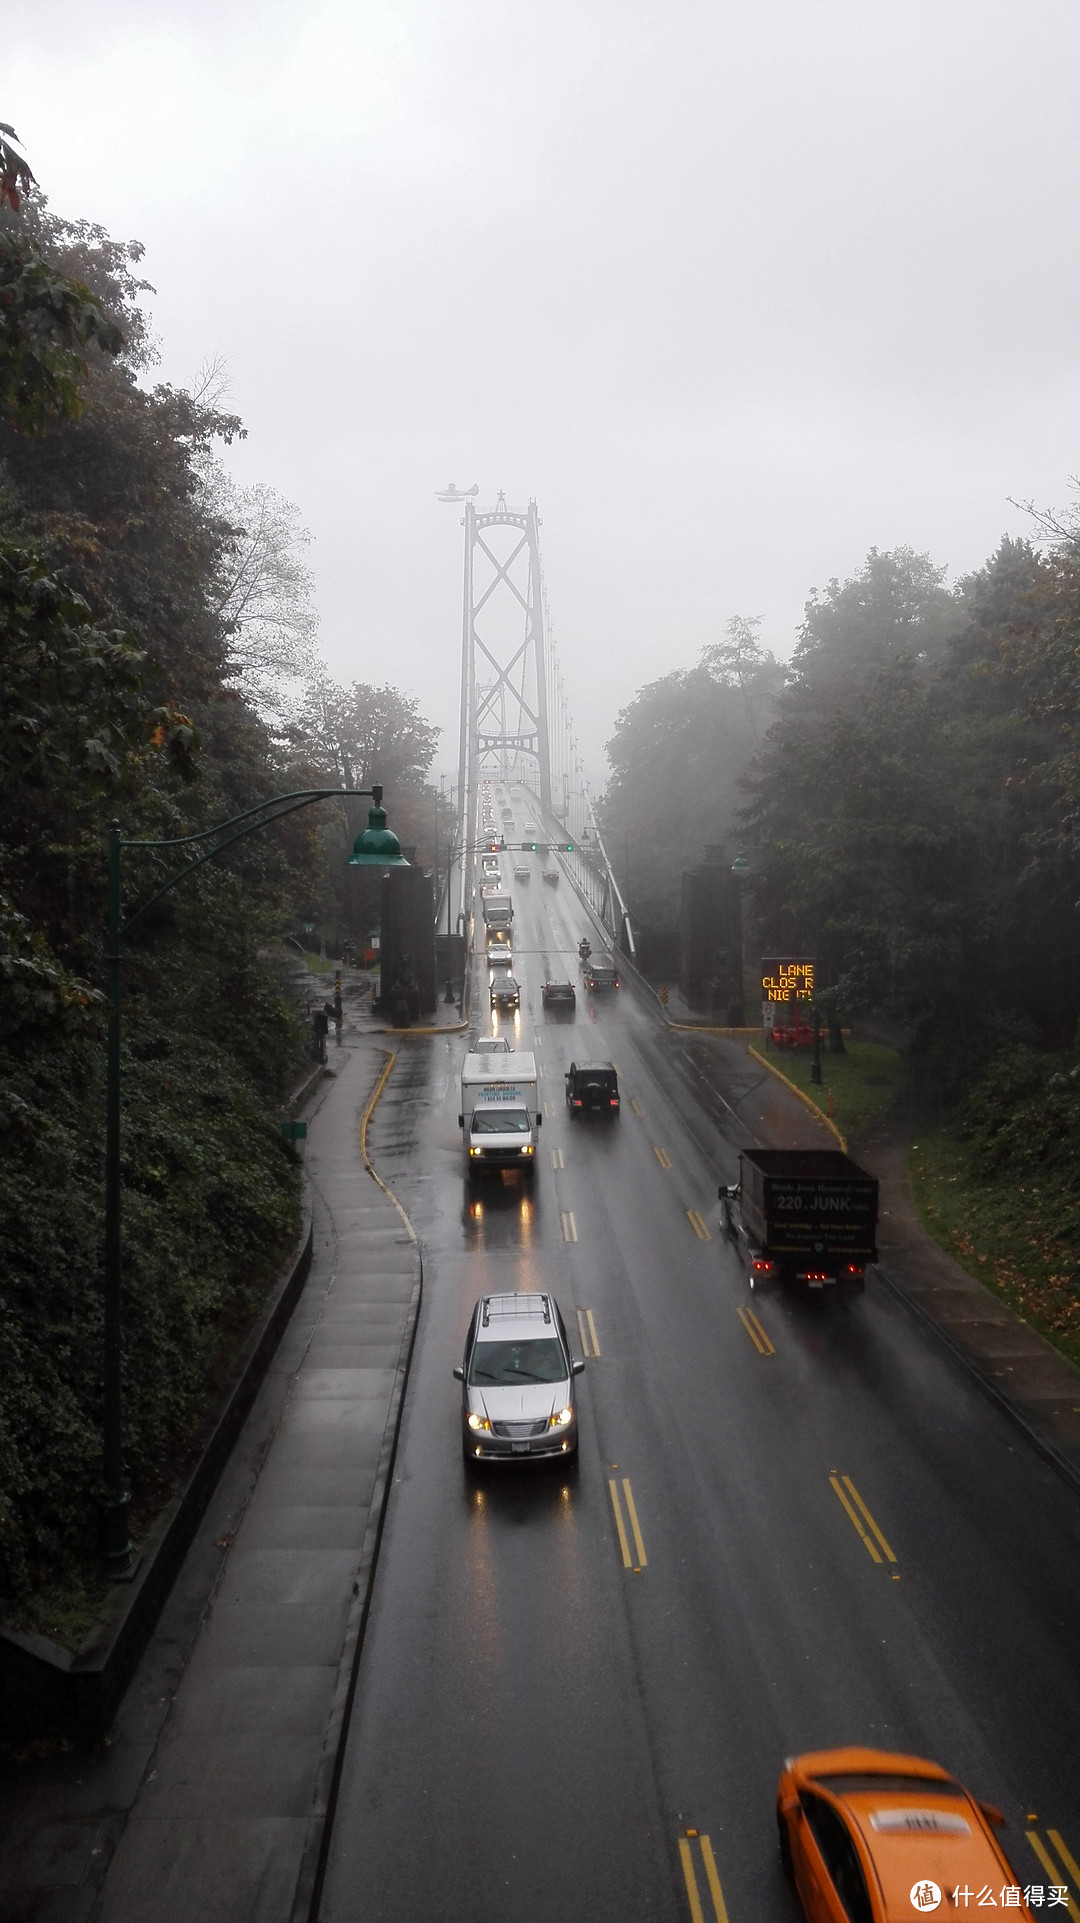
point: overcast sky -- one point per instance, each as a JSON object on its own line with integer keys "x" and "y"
{"x": 735, "y": 290}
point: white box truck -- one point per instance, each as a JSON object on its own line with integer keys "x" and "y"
{"x": 500, "y": 1116}
{"x": 498, "y": 911}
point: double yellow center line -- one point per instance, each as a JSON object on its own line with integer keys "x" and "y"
{"x": 755, "y": 1331}
{"x": 624, "y": 1543}
{"x": 860, "y": 1518}
{"x": 587, "y": 1331}
{"x": 1058, "y": 1877}
{"x": 708, "y": 1860}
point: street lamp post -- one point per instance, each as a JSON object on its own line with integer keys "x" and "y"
{"x": 377, "y": 846}
{"x": 740, "y": 868}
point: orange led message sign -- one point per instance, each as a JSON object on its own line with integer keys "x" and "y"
{"x": 787, "y": 979}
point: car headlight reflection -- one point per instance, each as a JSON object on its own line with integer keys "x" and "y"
{"x": 564, "y": 1416}
{"x": 477, "y": 1422}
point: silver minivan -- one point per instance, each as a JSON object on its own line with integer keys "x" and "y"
{"x": 517, "y": 1397}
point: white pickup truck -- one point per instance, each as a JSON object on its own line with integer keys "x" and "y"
{"x": 500, "y": 1118}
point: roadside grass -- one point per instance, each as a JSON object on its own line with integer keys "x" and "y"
{"x": 1022, "y": 1238}
{"x": 856, "y": 1088}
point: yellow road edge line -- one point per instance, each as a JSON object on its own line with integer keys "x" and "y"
{"x": 592, "y": 1331}
{"x": 696, "y": 1911}
{"x": 636, "y": 1105}
{"x": 807, "y": 1100}
{"x": 620, "y": 1526}
{"x": 1059, "y": 1844}
{"x": 852, "y": 1516}
{"x": 391, "y": 1058}
{"x": 662, "y": 1157}
{"x": 698, "y": 1224}
{"x": 1051, "y": 1868}
{"x": 853, "y": 1492}
{"x": 632, "y": 1512}
{"x": 715, "y": 1891}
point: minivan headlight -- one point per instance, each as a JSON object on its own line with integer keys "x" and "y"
{"x": 477, "y": 1422}
{"x": 564, "y": 1416}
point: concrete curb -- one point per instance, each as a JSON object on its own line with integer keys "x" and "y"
{"x": 825, "y": 1120}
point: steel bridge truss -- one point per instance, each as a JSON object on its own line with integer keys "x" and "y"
{"x": 504, "y": 673}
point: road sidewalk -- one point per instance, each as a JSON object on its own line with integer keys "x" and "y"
{"x": 208, "y": 1802}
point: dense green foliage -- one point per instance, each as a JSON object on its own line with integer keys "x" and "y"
{"x": 141, "y": 603}
{"x": 996, "y": 1184}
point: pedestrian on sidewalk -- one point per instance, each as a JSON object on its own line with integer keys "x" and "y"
{"x": 338, "y": 1011}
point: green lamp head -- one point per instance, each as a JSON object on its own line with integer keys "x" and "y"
{"x": 378, "y": 846}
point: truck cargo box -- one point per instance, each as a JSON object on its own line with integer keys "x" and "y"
{"x": 801, "y": 1206}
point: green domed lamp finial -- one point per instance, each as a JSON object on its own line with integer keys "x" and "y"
{"x": 378, "y": 846}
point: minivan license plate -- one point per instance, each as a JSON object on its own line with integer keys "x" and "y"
{"x": 519, "y": 1448}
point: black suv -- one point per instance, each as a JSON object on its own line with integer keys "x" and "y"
{"x": 592, "y": 1085}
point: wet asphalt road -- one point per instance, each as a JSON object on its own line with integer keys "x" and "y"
{"x": 838, "y": 1541}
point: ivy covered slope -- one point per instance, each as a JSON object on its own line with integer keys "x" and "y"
{"x": 117, "y": 699}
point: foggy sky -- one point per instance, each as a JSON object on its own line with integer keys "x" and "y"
{"x": 736, "y": 291}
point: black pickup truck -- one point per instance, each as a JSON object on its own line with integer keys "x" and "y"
{"x": 804, "y": 1215}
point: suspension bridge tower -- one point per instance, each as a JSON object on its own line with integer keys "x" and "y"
{"x": 504, "y": 669}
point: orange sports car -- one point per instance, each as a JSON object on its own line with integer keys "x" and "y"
{"x": 868, "y": 1837}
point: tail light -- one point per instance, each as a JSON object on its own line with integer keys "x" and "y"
{"x": 854, "y": 1268}
{"x": 576, "y": 1103}
{"x": 614, "y": 1101}
{"x": 816, "y": 1275}
{"x": 762, "y": 1268}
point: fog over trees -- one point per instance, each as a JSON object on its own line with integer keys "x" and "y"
{"x": 906, "y": 790}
